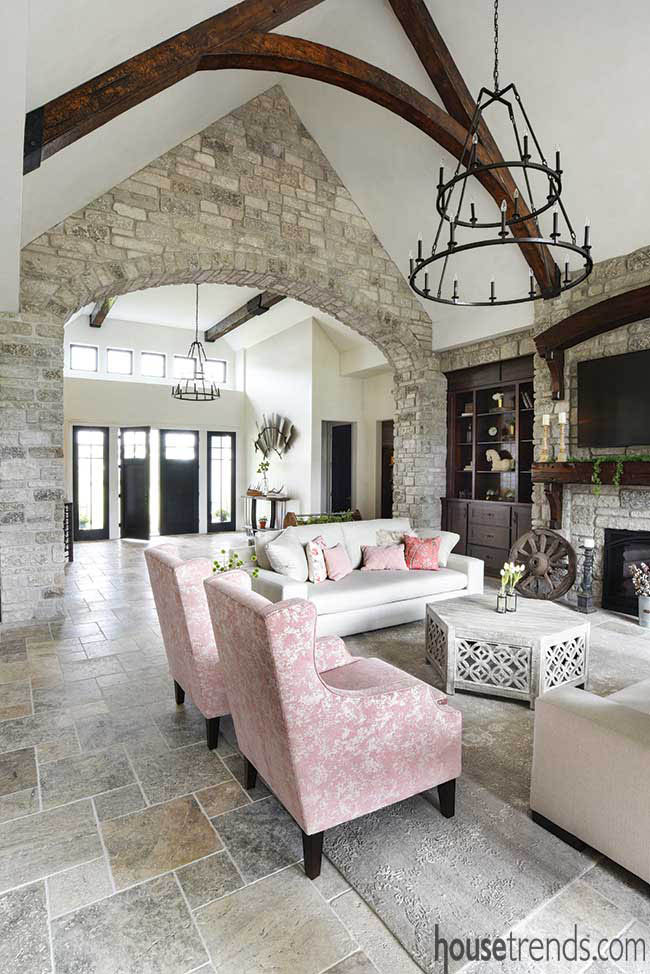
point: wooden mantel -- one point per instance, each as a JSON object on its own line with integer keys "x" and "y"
{"x": 636, "y": 473}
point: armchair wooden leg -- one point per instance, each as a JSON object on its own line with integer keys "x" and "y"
{"x": 250, "y": 775}
{"x": 312, "y": 852}
{"x": 447, "y": 797}
{"x": 212, "y": 731}
{"x": 179, "y": 693}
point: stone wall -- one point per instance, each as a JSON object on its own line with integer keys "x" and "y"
{"x": 253, "y": 201}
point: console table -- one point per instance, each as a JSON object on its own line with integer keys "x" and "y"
{"x": 278, "y": 509}
{"x": 518, "y": 654}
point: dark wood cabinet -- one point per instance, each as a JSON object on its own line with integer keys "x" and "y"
{"x": 490, "y": 411}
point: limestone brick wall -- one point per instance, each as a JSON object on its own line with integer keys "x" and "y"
{"x": 251, "y": 200}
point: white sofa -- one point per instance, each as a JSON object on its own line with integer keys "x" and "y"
{"x": 367, "y": 600}
{"x": 591, "y": 770}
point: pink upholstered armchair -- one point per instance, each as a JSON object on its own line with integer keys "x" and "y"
{"x": 334, "y": 736}
{"x": 187, "y": 633}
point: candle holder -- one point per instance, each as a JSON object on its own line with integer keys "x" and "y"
{"x": 561, "y": 453}
{"x": 585, "y": 592}
{"x": 544, "y": 453}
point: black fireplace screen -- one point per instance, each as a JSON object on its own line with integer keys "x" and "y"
{"x": 623, "y": 549}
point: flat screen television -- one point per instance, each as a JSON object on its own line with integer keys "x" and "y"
{"x": 614, "y": 401}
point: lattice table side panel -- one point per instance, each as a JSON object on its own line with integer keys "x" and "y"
{"x": 564, "y": 662}
{"x": 437, "y": 648}
{"x": 493, "y": 664}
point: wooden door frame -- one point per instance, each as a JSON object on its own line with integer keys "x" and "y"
{"x": 104, "y": 534}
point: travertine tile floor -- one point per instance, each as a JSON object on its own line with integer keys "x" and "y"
{"x": 126, "y": 846}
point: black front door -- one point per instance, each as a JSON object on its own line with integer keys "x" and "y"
{"x": 134, "y": 482}
{"x": 90, "y": 482}
{"x": 221, "y": 482}
{"x": 341, "y": 467}
{"x": 179, "y": 482}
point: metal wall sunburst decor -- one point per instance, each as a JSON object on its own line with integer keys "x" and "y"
{"x": 456, "y": 208}
{"x": 197, "y": 388}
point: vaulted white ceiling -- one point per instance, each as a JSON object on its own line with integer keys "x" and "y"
{"x": 582, "y": 68}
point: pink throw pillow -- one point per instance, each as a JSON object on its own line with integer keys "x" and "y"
{"x": 337, "y": 561}
{"x": 384, "y": 558}
{"x": 422, "y": 553}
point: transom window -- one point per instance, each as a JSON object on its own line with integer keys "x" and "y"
{"x": 83, "y": 358}
{"x": 153, "y": 364}
{"x": 134, "y": 444}
{"x": 119, "y": 361}
{"x": 180, "y": 446}
{"x": 184, "y": 368}
{"x": 215, "y": 370}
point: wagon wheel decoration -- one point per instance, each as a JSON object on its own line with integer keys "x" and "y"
{"x": 550, "y": 564}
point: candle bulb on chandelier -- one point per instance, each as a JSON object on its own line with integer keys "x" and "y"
{"x": 587, "y": 233}
{"x": 452, "y": 235}
{"x": 472, "y": 208}
{"x": 411, "y": 261}
{"x": 419, "y": 246}
{"x": 557, "y": 160}
{"x": 493, "y": 295}
{"x": 566, "y": 272}
{"x": 556, "y": 218}
{"x": 503, "y": 218}
{"x": 455, "y": 294}
{"x": 441, "y": 175}
{"x": 531, "y": 282}
{"x": 525, "y": 152}
{"x": 516, "y": 206}
{"x": 426, "y": 283}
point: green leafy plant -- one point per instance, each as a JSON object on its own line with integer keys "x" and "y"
{"x": 229, "y": 560}
{"x": 327, "y": 518}
{"x": 619, "y": 459}
{"x": 264, "y": 466}
{"x": 511, "y": 574}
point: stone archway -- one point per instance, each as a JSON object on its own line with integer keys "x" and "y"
{"x": 253, "y": 201}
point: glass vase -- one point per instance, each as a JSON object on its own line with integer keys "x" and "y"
{"x": 501, "y": 602}
{"x": 511, "y": 601}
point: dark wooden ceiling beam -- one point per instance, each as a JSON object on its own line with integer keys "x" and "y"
{"x": 88, "y": 106}
{"x": 257, "y": 306}
{"x": 306, "y": 59}
{"x": 100, "y": 311}
{"x": 597, "y": 319}
{"x": 420, "y": 28}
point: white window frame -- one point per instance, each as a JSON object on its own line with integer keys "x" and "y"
{"x": 73, "y": 368}
{"x": 161, "y": 355}
{"x": 184, "y": 358}
{"x": 127, "y": 351}
{"x": 220, "y": 361}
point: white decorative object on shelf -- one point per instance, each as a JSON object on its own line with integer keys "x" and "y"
{"x": 561, "y": 453}
{"x": 499, "y": 464}
{"x": 544, "y": 454}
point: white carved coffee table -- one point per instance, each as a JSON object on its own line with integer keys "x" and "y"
{"x": 519, "y": 654}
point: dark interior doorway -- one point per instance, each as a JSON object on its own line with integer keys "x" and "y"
{"x": 341, "y": 466}
{"x": 387, "y": 459}
{"x": 179, "y": 482}
{"x": 90, "y": 482}
{"x": 134, "y": 482}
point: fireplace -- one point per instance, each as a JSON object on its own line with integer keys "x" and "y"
{"x": 622, "y": 550}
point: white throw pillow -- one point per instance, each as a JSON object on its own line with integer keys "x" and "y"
{"x": 287, "y": 557}
{"x": 448, "y": 540}
{"x": 262, "y": 539}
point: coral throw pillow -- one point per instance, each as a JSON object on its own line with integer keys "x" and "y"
{"x": 421, "y": 554}
{"x": 383, "y": 558}
{"x": 316, "y": 559}
{"x": 338, "y": 562}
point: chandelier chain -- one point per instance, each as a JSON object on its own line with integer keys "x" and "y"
{"x": 496, "y": 45}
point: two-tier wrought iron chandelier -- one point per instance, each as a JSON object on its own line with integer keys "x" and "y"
{"x": 519, "y": 215}
{"x": 197, "y": 387}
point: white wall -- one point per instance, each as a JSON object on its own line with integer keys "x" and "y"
{"x": 139, "y": 337}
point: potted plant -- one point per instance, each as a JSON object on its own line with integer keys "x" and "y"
{"x": 511, "y": 575}
{"x": 262, "y": 523}
{"x": 641, "y": 583}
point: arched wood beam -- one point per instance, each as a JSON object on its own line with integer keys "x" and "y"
{"x": 604, "y": 316}
{"x": 307, "y": 59}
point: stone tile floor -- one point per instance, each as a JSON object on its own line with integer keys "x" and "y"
{"x": 126, "y": 846}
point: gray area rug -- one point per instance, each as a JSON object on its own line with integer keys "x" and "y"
{"x": 488, "y": 868}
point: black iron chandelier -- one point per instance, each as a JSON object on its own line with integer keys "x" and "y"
{"x": 196, "y": 388}
{"x": 518, "y": 223}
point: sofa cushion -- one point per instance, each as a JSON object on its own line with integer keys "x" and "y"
{"x": 421, "y": 554}
{"x": 359, "y": 533}
{"x": 448, "y": 540}
{"x": 382, "y": 558}
{"x": 636, "y": 697}
{"x": 287, "y": 557}
{"x": 262, "y": 538}
{"x": 316, "y": 560}
{"x": 359, "y": 590}
{"x": 331, "y": 533}
{"x": 337, "y": 561}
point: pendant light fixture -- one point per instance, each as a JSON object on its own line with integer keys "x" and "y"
{"x": 197, "y": 388}
{"x": 457, "y": 208}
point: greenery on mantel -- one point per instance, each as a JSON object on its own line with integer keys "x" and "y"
{"x": 340, "y": 518}
{"x": 619, "y": 459}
